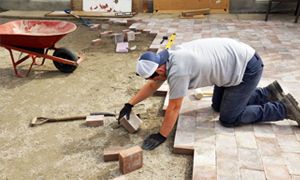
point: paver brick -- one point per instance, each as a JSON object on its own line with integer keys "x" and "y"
{"x": 250, "y": 159}
{"x": 132, "y": 125}
{"x": 130, "y": 159}
{"x": 204, "y": 172}
{"x": 112, "y": 153}
{"x": 292, "y": 161}
{"x": 227, "y": 167}
{"x": 268, "y": 146}
{"x": 273, "y": 160}
{"x": 250, "y": 174}
{"x": 245, "y": 139}
{"x": 226, "y": 147}
{"x": 264, "y": 130}
{"x": 277, "y": 172}
{"x": 94, "y": 120}
{"x": 282, "y": 127}
{"x": 205, "y": 155}
{"x": 295, "y": 177}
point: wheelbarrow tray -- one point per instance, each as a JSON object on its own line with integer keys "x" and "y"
{"x": 34, "y": 33}
{"x": 35, "y": 38}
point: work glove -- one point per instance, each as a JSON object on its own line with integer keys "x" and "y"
{"x": 152, "y": 141}
{"x": 126, "y": 110}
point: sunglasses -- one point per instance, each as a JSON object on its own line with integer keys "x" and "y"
{"x": 155, "y": 74}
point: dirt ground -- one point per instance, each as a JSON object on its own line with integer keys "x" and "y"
{"x": 70, "y": 150}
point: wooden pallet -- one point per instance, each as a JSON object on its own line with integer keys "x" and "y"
{"x": 169, "y": 6}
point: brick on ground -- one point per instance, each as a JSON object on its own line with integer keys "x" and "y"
{"x": 122, "y": 47}
{"x": 94, "y": 120}
{"x": 112, "y": 153}
{"x": 162, "y": 90}
{"x": 96, "y": 42}
{"x": 118, "y": 37}
{"x": 250, "y": 159}
{"x": 132, "y": 125}
{"x": 249, "y": 174}
{"x": 277, "y": 172}
{"x": 130, "y": 159}
{"x": 130, "y": 36}
{"x": 185, "y": 135}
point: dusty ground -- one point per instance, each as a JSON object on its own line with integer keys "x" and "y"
{"x": 71, "y": 150}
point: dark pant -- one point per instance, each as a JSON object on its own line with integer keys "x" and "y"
{"x": 245, "y": 103}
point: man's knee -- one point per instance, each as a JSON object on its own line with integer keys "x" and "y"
{"x": 215, "y": 108}
{"x": 228, "y": 121}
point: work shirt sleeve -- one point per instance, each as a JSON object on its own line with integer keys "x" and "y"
{"x": 178, "y": 86}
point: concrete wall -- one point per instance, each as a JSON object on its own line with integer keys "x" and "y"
{"x": 50, "y": 5}
{"x": 258, "y": 6}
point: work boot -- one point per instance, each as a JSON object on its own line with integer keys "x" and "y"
{"x": 275, "y": 91}
{"x": 292, "y": 109}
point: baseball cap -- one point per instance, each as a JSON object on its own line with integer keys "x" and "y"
{"x": 149, "y": 61}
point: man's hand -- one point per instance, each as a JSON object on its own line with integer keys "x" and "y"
{"x": 152, "y": 141}
{"x": 126, "y": 110}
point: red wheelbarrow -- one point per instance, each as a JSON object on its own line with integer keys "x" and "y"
{"x": 35, "y": 38}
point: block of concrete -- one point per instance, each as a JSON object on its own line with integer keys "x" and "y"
{"x": 125, "y": 30}
{"x": 96, "y": 42}
{"x": 105, "y": 26}
{"x": 118, "y": 37}
{"x": 95, "y": 27}
{"x": 162, "y": 90}
{"x": 131, "y": 125}
{"x": 106, "y": 33}
{"x": 166, "y": 101}
{"x": 112, "y": 153}
{"x": 131, "y": 159}
{"x": 94, "y": 120}
{"x": 120, "y": 178}
{"x": 122, "y": 47}
{"x": 130, "y": 36}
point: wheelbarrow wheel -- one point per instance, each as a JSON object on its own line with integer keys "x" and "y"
{"x": 66, "y": 54}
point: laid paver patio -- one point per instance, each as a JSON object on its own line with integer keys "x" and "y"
{"x": 259, "y": 151}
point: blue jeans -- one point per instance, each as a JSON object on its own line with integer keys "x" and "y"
{"x": 245, "y": 103}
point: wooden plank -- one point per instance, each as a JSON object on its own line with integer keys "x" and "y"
{"x": 196, "y": 12}
{"x": 76, "y": 5}
{"x": 165, "y": 6}
{"x": 180, "y": 4}
{"x": 137, "y": 6}
{"x": 212, "y": 11}
{"x": 201, "y": 16}
{"x": 23, "y": 14}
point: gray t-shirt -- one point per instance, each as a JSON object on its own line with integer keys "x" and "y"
{"x": 206, "y": 62}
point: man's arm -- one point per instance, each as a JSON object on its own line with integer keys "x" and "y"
{"x": 171, "y": 116}
{"x": 154, "y": 140}
{"x": 147, "y": 90}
